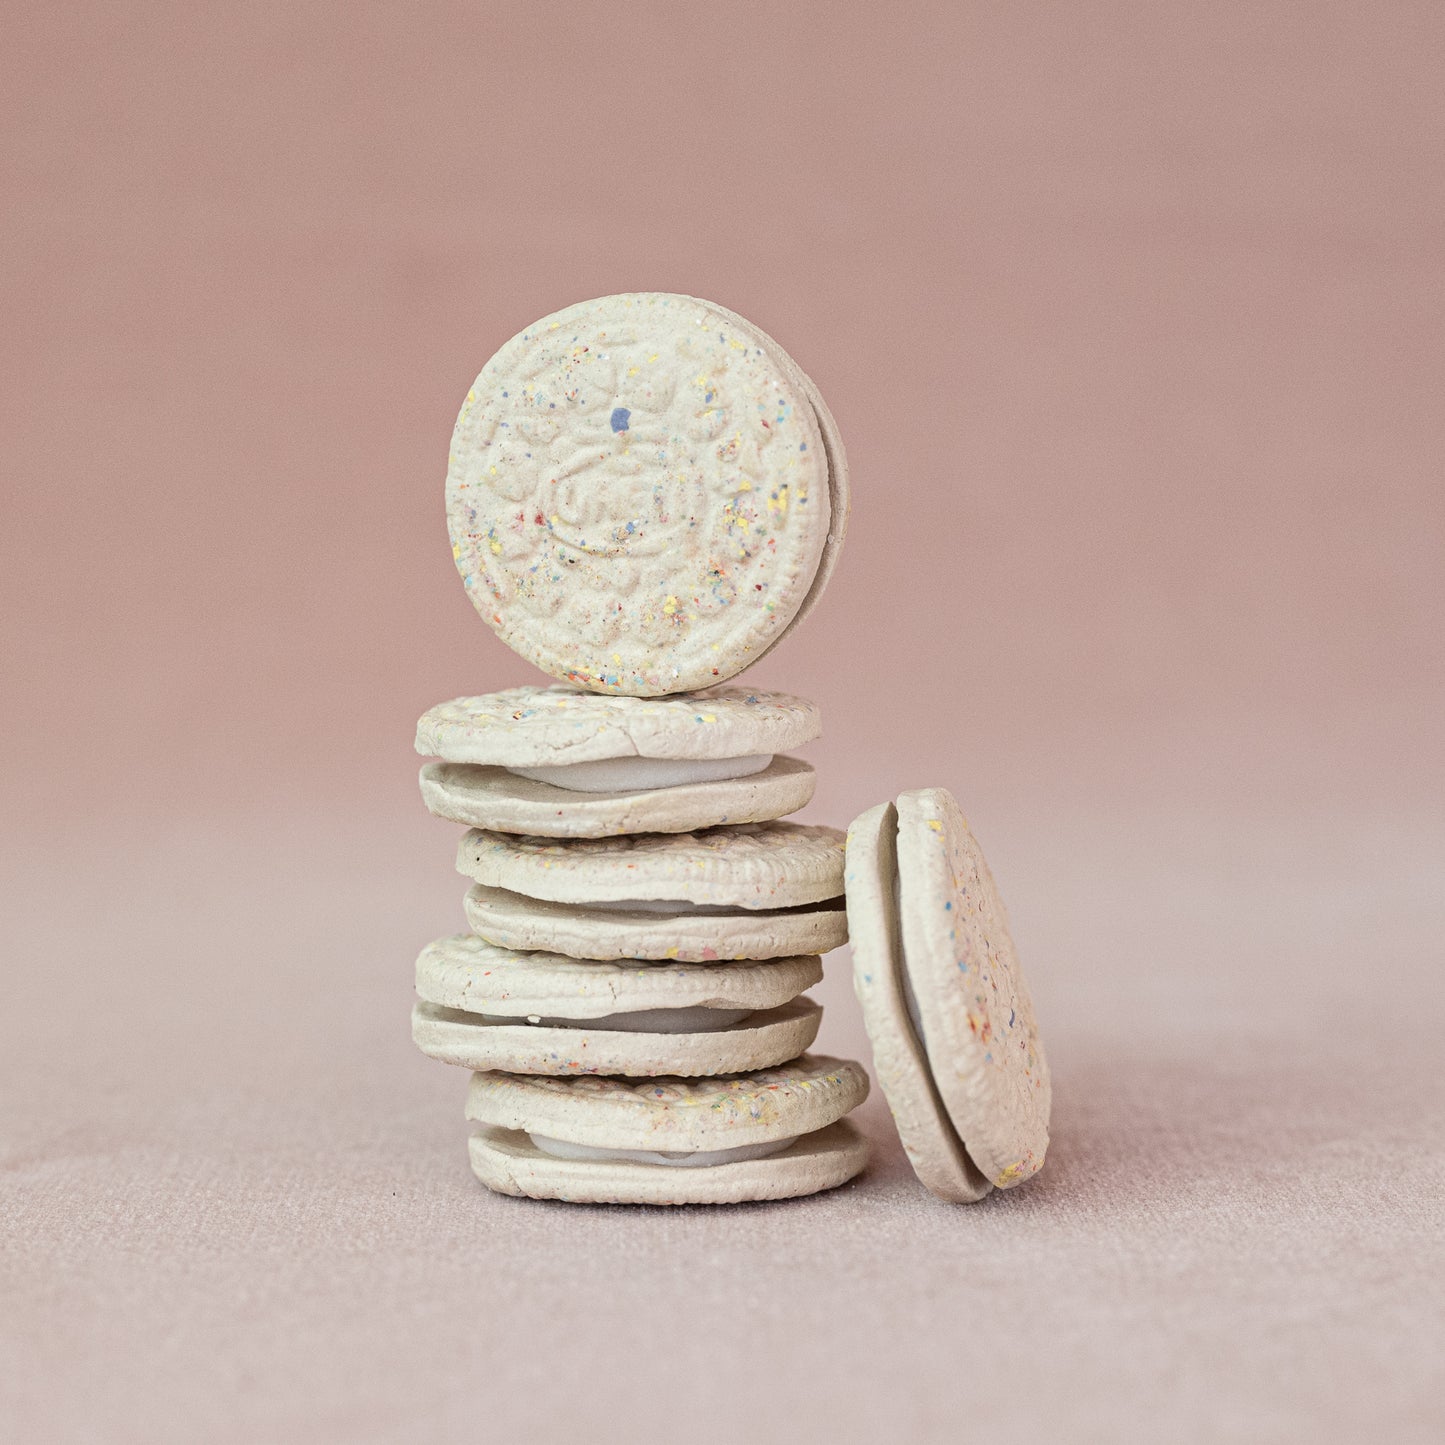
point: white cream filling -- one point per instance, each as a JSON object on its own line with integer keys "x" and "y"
{"x": 660, "y": 905}
{"x": 634, "y": 775}
{"x": 699, "y": 1159}
{"x": 910, "y": 999}
{"x": 695, "y": 1020}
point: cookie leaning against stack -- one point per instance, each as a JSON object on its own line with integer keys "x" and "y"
{"x": 679, "y": 958}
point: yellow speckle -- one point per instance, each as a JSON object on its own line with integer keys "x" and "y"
{"x": 745, "y": 485}
{"x": 472, "y": 395}
{"x": 555, "y": 519}
{"x": 652, "y": 358}
{"x": 492, "y": 472}
{"x": 709, "y": 717}
{"x": 496, "y": 548}
{"x": 670, "y": 606}
{"x": 672, "y": 952}
{"x": 935, "y": 825}
{"x": 456, "y": 552}
{"x": 633, "y": 370}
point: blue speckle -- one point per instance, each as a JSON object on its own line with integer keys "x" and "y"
{"x": 620, "y": 417}
{"x": 802, "y": 446}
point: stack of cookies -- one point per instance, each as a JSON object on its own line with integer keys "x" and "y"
{"x": 645, "y": 494}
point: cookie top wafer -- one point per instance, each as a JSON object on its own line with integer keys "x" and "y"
{"x": 549, "y": 726}
{"x": 673, "y": 1114}
{"x": 638, "y": 494}
{"x": 977, "y": 1018}
{"x": 754, "y": 865}
{"x": 466, "y": 972}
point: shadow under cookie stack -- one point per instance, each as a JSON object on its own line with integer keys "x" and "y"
{"x": 645, "y": 494}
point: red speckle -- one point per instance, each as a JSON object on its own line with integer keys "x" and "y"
{"x": 538, "y": 519}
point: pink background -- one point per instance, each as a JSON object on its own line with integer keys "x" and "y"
{"x": 1132, "y": 316}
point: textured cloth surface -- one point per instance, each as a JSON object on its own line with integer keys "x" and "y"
{"x": 1131, "y": 316}
{"x": 235, "y": 1204}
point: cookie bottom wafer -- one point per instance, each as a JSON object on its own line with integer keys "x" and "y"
{"x": 508, "y": 1162}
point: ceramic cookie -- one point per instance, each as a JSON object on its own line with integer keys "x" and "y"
{"x": 558, "y": 728}
{"x": 512, "y": 920}
{"x": 956, "y": 1045}
{"x": 756, "y": 865}
{"x": 770, "y": 1134}
{"x": 639, "y": 494}
{"x": 929, "y": 1139}
{"x": 485, "y": 1007}
{"x": 503, "y": 802}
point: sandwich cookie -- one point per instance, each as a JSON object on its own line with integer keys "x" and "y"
{"x": 650, "y": 931}
{"x": 753, "y": 866}
{"x": 770, "y": 1134}
{"x": 539, "y": 1013}
{"x": 639, "y": 494}
{"x": 561, "y": 763}
{"x": 944, "y": 1001}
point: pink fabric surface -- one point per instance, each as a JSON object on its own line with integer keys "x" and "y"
{"x": 1131, "y": 317}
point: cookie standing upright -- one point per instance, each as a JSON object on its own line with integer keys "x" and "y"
{"x": 955, "y": 1039}
{"x": 640, "y": 496}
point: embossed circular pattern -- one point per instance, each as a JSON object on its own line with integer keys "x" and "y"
{"x": 637, "y": 495}
{"x": 751, "y": 865}
{"x": 542, "y": 726}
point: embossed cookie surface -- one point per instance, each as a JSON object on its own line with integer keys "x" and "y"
{"x": 466, "y": 972}
{"x": 542, "y": 726}
{"x": 755, "y": 865}
{"x": 638, "y": 494}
